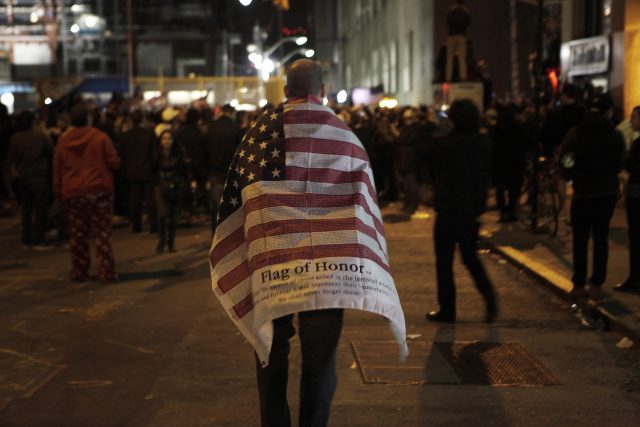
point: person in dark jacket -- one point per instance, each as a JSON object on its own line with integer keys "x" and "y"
{"x": 458, "y": 21}
{"x": 29, "y": 157}
{"x": 510, "y": 143}
{"x": 222, "y": 139}
{"x": 632, "y": 202}
{"x": 192, "y": 139}
{"x": 460, "y": 169}
{"x": 171, "y": 167}
{"x": 83, "y": 166}
{"x": 406, "y": 158}
{"x": 592, "y": 155}
{"x": 136, "y": 152}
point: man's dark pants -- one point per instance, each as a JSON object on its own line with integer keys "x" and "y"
{"x": 633, "y": 220}
{"x": 33, "y": 194}
{"x": 462, "y": 230}
{"x": 591, "y": 216}
{"x": 139, "y": 195}
{"x": 319, "y": 333}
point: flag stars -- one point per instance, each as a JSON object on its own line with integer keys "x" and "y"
{"x": 274, "y": 116}
{"x": 276, "y": 173}
{"x": 275, "y": 153}
{"x": 235, "y": 184}
{"x": 254, "y": 124}
{"x": 251, "y": 158}
{"x": 251, "y": 176}
{"x": 263, "y": 128}
{"x": 241, "y": 153}
{"x": 263, "y": 163}
{"x": 241, "y": 171}
{"x": 275, "y": 135}
{"x": 252, "y": 140}
{"x": 234, "y": 201}
{"x": 263, "y": 145}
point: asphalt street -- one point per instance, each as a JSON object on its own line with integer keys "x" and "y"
{"x": 156, "y": 349}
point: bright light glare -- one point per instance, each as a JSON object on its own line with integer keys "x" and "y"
{"x": 309, "y": 53}
{"x": 245, "y": 2}
{"x": 77, "y": 8}
{"x": 7, "y": 99}
{"x": 33, "y": 17}
{"x": 268, "y": 65}
{"x": 244, "y": 89}
{"x": 74, "y": 28}
{"x": 325, "y": 101}
{"x": 91, "y": 21}
{"x": 256, "y": 59}
{"x": 48, "y": 101}
{"x": 252, "y": 48}
{"x": 342, "y": 96}
{"x": 301, "y": 40}
{"x": 262, "y": 103}
{"x": 234, "y": 103}
{"x": 388, "y": 103}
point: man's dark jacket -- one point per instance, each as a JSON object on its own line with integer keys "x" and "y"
{"x": 222, "y": 140}
{"x": 598, "y": 150}
{"x": 136, "y": 152}
{"x": 30, "y": 154}
{"x": 460, "y": 166}
{"x": 192, "y": 139}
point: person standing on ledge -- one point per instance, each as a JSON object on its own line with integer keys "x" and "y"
{"x": 458, "y": 21}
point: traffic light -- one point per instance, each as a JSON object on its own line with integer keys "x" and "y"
{"x": 282, "y": 4}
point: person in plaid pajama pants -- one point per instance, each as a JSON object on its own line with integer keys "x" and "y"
{"x": 84, "y": 162}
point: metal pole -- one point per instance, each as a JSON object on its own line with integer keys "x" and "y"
{"x": 538, "y": 104}
{"x": 130, "y": 46}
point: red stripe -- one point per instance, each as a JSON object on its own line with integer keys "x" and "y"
{"x": 330, "y": 176}
{"x": 311, "y": 200}
{"x": 230, "y": 280}
{"x": 244, "y": 306}
{"x": 312, "y": 117}
{"x": 278, "y": 256}
{"x": 236, "y": 238}
{"x": 227, "y": 245}
{"x": 326, "y": 146}
{"x": 278, "y": 228}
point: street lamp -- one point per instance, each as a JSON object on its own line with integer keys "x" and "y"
{"x": 245, "y": 2}
{"x": 297, "y": 39}
{"x": 309, "y": 53}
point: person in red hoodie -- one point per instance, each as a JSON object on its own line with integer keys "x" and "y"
{"x": 83, "y": 165}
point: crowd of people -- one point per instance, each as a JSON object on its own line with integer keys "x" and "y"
{"x": 172, "y": 162}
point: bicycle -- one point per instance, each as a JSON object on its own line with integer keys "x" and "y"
{"x": 549, "y": 202}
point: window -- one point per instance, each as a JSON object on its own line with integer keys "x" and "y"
{"x": 393, "y": 67}
{"x": 407, "y": 59}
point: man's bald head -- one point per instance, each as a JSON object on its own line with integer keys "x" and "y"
{"x": 304, "y": 78}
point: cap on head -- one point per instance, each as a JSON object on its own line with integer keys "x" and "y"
{"x": 304, "y": 78}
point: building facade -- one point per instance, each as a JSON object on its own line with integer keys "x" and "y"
{"x": 388, "y": 43}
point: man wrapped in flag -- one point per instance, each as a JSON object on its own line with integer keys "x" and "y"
{"x": 299, "y": 231}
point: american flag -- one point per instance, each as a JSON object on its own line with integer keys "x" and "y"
{"x": 299, "y": 192}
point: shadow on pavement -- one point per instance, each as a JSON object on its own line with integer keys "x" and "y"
{"x": 146, "y": 275}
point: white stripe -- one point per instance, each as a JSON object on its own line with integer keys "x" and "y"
{"x": 322, "y": 131}
{"x": 306, "y": 106}
{"x": 302, "y": 187}
{"x": 228, "y": 226}
{"x": 329, "y": 161}
{"x": 300, "y": 240}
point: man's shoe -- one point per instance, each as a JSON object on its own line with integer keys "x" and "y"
{"x": 440, "y": 316}
{"x": 492, "y": 313}
{"x": 627, "y": 286}
{"x": 595, "y": 292}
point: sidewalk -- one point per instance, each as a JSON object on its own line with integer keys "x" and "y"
{"x": 550, "y": 260}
